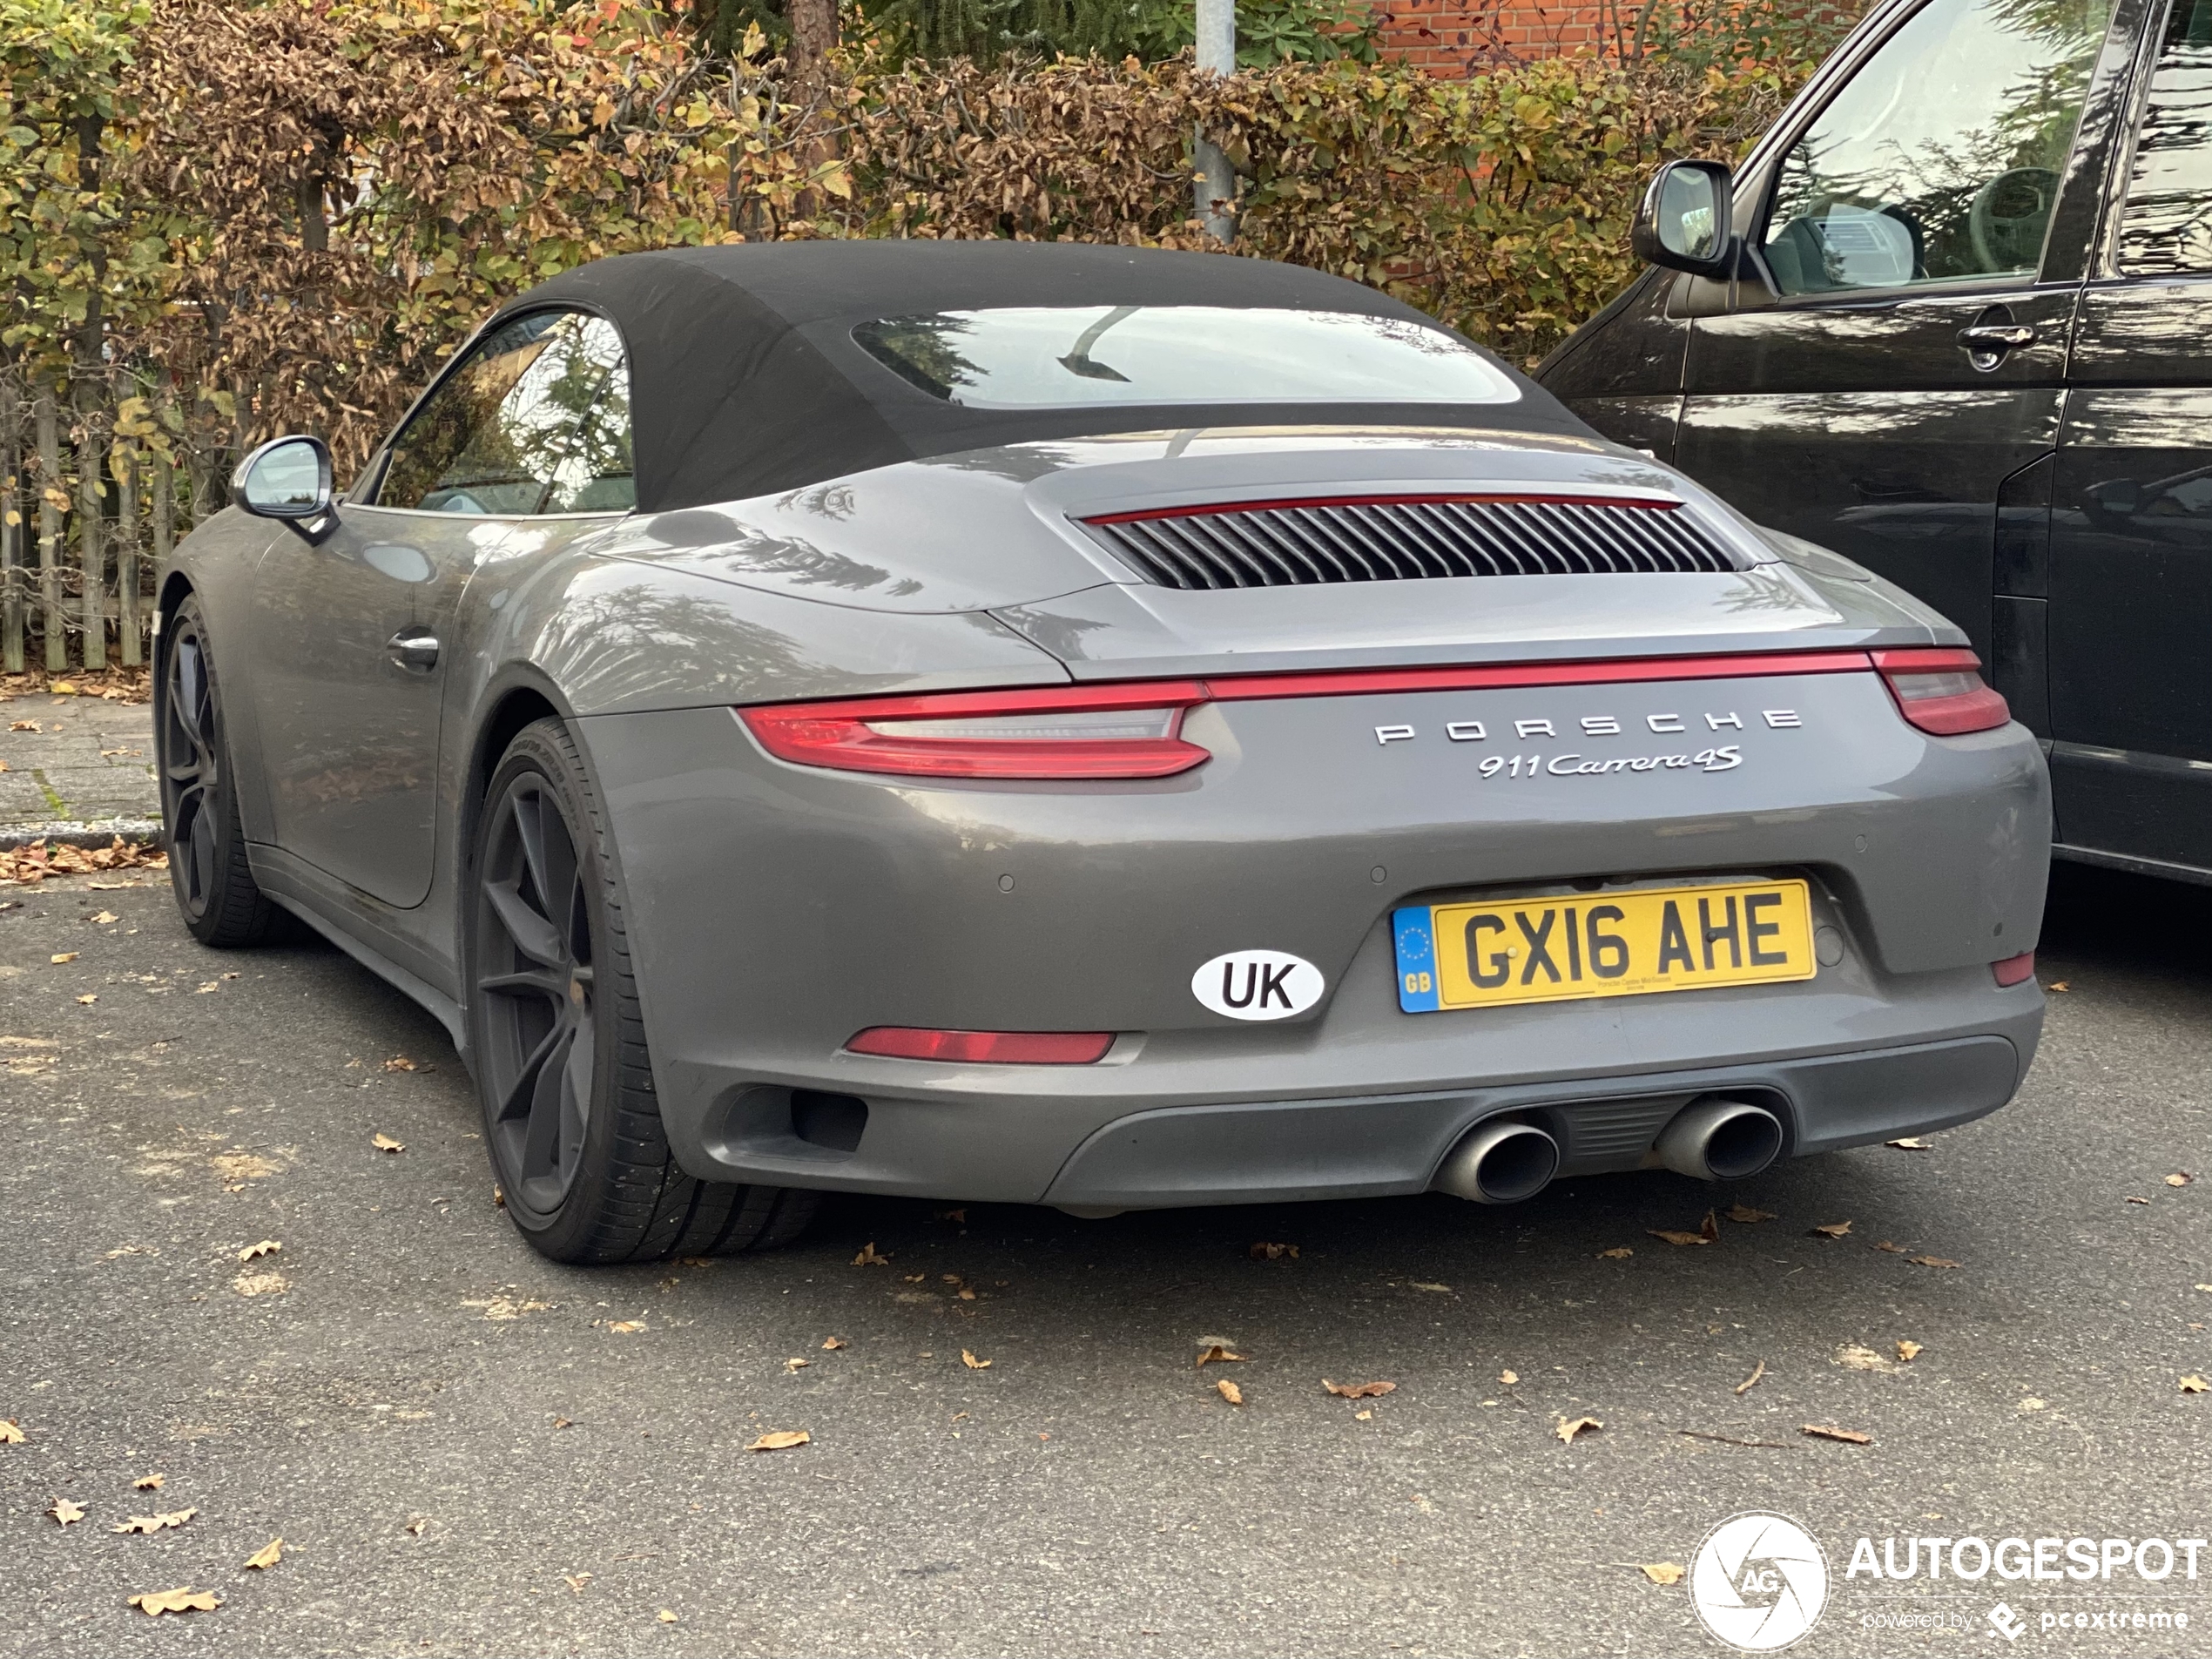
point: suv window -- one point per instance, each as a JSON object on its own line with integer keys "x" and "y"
{"x": 535, "y": 420}
{"x": 2167, "y": 227}
{"x": 1940, "y": 158}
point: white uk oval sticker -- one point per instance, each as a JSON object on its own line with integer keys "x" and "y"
{"x": 1259, "y": 985}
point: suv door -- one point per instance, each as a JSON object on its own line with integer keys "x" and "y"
{"x": 2131, "y": 530}
{"x": 350, "y": 635}
{"x": 1911, "y": 351}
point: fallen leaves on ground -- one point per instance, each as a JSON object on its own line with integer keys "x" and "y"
{"x": 1618, "y": 1253}
{"x": 1833, "y": 1229}
{"x": 1894, "y": 1249}
{"x": 623, "y": 1327}
{"x": 1214, "y": 1353}
{"x": 1424, "y": 1284}
{"x": 1933, "y": 1261}
{"x": 148, "y": 1482}
{"x": 386, "y": 1143}
{"x": 2058, "y": 985}
{"x": 1909, "y": 1143}
{"x": 795, "y": 1365}
{"x": 1661, "y": 1572}
{"x": 1744, "y": 1213}
{"x": 780, "y": 1440}
{"x": 575, "y": 1581}
{"x": 106, "y": 918}
{"x": 61, "y": 957}
{"x": 869, "y": 1258}
{"x": 1569, "y": 1428}
{"x": 1508, "y": 1377}
{"x": 2180, "y": 1178}
{"x": 507, "y": 1307}
{"x": 2192, "y": 1383}
{"x": 2031, "y": 1404}
{"x": 244, "y": 1166}
{"x": 1908, "y": 1351}
{"x": 2132, "y": 1199}
{"x": 1744, "y": 1387}
{"x": 666, "y": 1617}
{"x": 66, "y": 1513}
{"x": 1229, "y": 1391}
{"x": 973, "y": 1363}
{"x": 1265, "y": 1252}
{"x": 415, "y": 1526}
{"x": 1829, "y": 1432}
{"x": 268, "y": 1556}
{"x": 1852, "y": 1356}
{"x": 10, "y": 1431}
{"x": 261, "y": 1284}
{"x": 1359, "y": 1391}
{"x": 267, "y": 1247}
{"x": 88, "y": 999}
{"x": 1708, "y": 1232}
{"x": 155, "y": 1523}
{"x": 27, "y": 866}
{"x": 832, "y": 1342}
{"x": 182, "y": 1600}
{"x": 400, "y": 1062}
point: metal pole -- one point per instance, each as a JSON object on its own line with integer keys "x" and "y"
{"x": 1215, "y": 183}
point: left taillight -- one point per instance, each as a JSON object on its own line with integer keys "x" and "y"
{"x": 1941, "y": 690}
{"x": 1066, "y": 731}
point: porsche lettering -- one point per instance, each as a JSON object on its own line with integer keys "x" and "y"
{"x": 1598, "y": 725}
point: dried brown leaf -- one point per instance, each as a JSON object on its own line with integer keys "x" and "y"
{"x": 2058, "y": 985}
{"x": 1908, "y": 1351}
{"x": 832, "y": 1342}
{"x": 1229, "y": 1391}
{"x": 1828, "y": 1432}
{"x": 2180, "y": 1178}
{"x": 148, "y": 1482}
{"x": 268, "y": 1556}
{"x": 385, "y": 1143}
{"x": 2193, "y": 1384}
{"x": 267, "y": 1247}
{"x": 869, "y": 1257}
{"x": 780, "y": 1440}
{"x": 1744, "y": 1213}
{"x": 1267, "y": 1252}
{"x": 1677, "y": 1236}
{"x": 66, "y": 1513}
{"x": 155, "y": 1523}
{"x": 623, "y": 1327}
{"x": 1567, "y": 1428}
{"x": 1661, "y": 1572}
{"x": 1933, "y": 1261}
{"x": 1618, "y": 1253}
{"x": 61, "y": 957}
{"x": 10, "y": 1431}
{"x": 180, "y": 1601}
{"x": 1359, "y": 1391}
{"x": 1508, "y": 1377}
{"x": 973, "y": 1363}
{"x": 1213, "y": 1354}
{"x": 1833, "y": 1229}
{"x": 1911, "y": 1143}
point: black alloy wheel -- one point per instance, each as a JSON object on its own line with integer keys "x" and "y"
{"x": 570, "y": 1118}
{"x": 222, "y": 904}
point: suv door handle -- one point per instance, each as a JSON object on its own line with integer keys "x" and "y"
{"x": 416, "y": 649}
{"x": 1985, "y": 343}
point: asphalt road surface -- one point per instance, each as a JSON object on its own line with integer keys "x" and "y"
{"x": 468, "y": 1450}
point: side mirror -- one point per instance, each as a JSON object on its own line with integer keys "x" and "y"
{"x": 287, "y": 479}
{"x": 1683, "y": 222}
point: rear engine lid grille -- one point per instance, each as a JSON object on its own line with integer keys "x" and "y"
{"x": 1404, "y": 538}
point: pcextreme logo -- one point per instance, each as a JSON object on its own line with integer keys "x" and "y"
{"x": 1759, "y": 1582}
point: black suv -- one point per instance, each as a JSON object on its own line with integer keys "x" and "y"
{"x": 1952, "y": 318}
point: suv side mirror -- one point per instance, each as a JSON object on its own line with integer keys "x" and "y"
{"x": 287, "y": 479}
{"x": 1683, "y": 222}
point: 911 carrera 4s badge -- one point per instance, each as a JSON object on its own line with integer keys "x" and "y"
{"x": 1259, "y": 985}
{"x": 1630, "y": 943}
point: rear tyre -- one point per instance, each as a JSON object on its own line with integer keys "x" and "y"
{"x": 223, "y": 906}
{"x": 571, "y": 1118}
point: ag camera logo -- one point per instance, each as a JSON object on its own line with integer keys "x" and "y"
{"x": 1759, "y": 1582}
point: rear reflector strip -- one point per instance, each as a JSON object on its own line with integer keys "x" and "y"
{"x": 2015, "y": 970}
{"x": 1060, "y": 732}
{"x": 1941, "y": 690}
{"x": 984, "y": 1047}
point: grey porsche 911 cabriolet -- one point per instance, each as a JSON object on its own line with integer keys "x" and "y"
{"x": 1084, "y": 726}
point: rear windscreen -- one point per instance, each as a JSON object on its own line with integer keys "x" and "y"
{"x": 1075, "y": 357}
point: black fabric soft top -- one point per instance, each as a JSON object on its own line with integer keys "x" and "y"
{"x": 744, "y": 379}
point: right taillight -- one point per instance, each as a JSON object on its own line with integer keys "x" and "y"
{"x": 1939, "y": 690}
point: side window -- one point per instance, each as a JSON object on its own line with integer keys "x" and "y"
{"x": 1940, "y": 158}
{"x": 596, "y": 474}
{"x": 498, "y": 435}
{"x": 2167, "y": 226}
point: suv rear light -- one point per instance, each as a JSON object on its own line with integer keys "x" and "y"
{"x": 1941, "y": 690}
{"x": 984, "y": 1047}
{"x": 2015, "y": 970}
{"x": 1063, "y": 732}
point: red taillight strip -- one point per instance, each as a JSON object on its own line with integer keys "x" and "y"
{"x": 1951, "y": 714}
{"x": 1205, "y": 509}
{"x": 1361, "y": 681}
{"x": 983, "y": 1047}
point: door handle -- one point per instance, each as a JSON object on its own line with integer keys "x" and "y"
{"x": 414, "y": 649}
{"x": 1985, "y": 343}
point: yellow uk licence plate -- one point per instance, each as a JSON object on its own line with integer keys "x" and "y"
{"x": 1628, "y": 943}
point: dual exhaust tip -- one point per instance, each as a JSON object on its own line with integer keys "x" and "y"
{"x": 1714, "y": 1139}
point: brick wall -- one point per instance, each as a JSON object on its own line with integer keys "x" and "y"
{"x": 1452, "y": 38}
